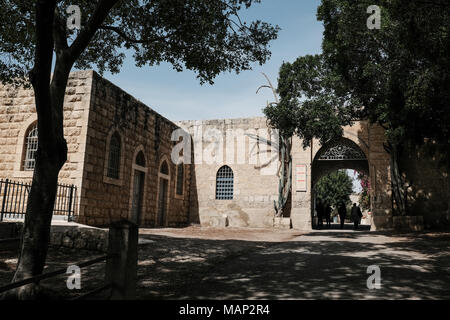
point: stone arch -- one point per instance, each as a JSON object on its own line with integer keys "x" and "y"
{"x": 342, "y": 153}
{"x": 338, "y": 154}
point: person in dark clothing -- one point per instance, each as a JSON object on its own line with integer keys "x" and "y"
{"x": 342, "y": 211}
{"x": 356, "y": 215}
{"x": 320, "y": 212}
{"x": 328, "y": 215}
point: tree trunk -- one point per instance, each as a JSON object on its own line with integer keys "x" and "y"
{"x": 50, "y": 157}
{"x": 397, "y": 183}
{"x": 285, "y": 180}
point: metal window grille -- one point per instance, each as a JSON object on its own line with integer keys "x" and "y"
{"x": 180, "y": 179}
{"x": 114, "y": 157}
{"x": 224, "y": 183}
{"x": 31, "y": 149}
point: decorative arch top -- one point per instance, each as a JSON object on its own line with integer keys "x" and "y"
{"x": 342, "y": 149}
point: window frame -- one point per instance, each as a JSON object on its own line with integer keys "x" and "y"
{"x": 106, "y": 178}
{"x": 224, "y": 193}
{"x": 177, "y": 181}
{"x": 26, "y": 148}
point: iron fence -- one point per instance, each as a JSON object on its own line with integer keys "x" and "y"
{"x": 14, "y": 198}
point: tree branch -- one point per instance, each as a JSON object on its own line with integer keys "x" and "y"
{"x": 59, "y": 33}
{"x": 127, "y": 38}
{"x": 82, "y": 41}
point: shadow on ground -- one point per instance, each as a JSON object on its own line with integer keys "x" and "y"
{"x": 318, "y": 265}
{"x": 323, "y": 264}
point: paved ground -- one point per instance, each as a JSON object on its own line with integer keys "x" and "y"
{"x": 206, "y": 263}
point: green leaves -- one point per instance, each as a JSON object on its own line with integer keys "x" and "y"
{"x": 206, "y": 36}
{"x": 313, "y": 103}
{"x": 394, "y": 71}
{"x": 334, "y": 188}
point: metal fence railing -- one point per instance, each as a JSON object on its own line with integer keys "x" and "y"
{"x": 14, "y": 198}
{"x": 120, "y": 277}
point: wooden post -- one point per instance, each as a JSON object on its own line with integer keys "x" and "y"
{"x": 121, "y": 268}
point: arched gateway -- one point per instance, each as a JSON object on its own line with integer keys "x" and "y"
{"x": 360, "y": 149}
{"x": 338, "y": 154}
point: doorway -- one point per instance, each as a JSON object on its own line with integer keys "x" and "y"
{"x": 163, "y": 195}
{"x": 138, "y": 191}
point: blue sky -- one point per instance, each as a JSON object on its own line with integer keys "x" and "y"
{"x": 179, "y": 96}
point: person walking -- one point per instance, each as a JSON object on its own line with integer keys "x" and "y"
{"x": 356, "y": 215}
{"x": 328, "y": 215}
{"x": 342, "y": 211}
{"x": 320, "y": 211}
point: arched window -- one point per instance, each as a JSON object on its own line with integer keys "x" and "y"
{"x": 224, "y": 183}
{"x": 31, "y": 148}
{"x": 140, "y": 159}
{"x": 164, "y": 168}
{"x": 114, "y": 156}
{"x": 180, "y": 179}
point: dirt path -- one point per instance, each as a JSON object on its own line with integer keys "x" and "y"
{"x": 207, "y": 263}
{"x": 318, "y": 265}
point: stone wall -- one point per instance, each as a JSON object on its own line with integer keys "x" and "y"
{"x": 242, "y": 146}
{"x": 18, "y": 113}
{"x": 79, "y": 237}
{"x": 105, "y": 200}
{"x": 429, "y": 191}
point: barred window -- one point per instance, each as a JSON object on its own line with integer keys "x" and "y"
{"x": 31, "y": 148}
{"x": 114, "y": 156}
{"x": 224, "y": 183}
{"x": 180, "y": 179}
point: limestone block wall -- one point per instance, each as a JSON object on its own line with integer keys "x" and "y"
{"x": 18, "y": 113}
{"x": 79, "y": 237}
{"x": 429, "y": 191}
{"x": 105, "y": 200}
{"x": 380, "y": 179}
{"x": 242, "y": 145}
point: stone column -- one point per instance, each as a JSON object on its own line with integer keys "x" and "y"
{"x": 301, "y": 201}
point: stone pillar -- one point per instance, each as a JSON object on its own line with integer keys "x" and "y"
{"x": 121, "y": 269}
{"x": 301, "y": 201}
{"x": 380, "y": 180}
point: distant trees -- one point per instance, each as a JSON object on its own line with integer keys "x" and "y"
{"x": 334, "y": 188}
{"x": 364, "y": 196}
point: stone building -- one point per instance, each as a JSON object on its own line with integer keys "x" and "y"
{"x": 120, "y": 158}
{"x": 119, "y": 153}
